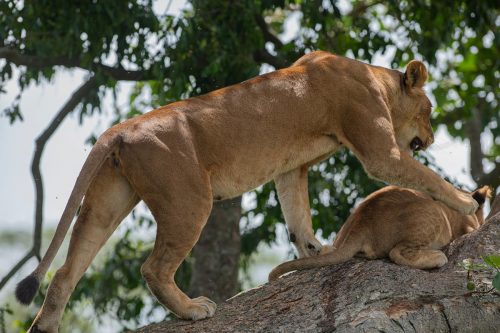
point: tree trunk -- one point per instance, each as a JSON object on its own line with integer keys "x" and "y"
{"x": 217, "y": 253}
{"x": 366, "y": 296}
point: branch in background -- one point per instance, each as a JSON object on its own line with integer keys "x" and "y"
{"x": 16, "y": 267}
{"x": 495, "y": 208}
{"x": 264, "y": 56}
{"x": 473, "y": 129}
{"x": 14, "y": 56}
{"x": 41, "y": 141}
{"x": 492, "y": 178}
{"x": 360, "y": 7}
{"x": 117, "y": 73}
{"x": 268, "y": 36}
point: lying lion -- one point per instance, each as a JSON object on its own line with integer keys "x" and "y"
{"x": 405, "y": 225}
{"x": 181, "y": 157}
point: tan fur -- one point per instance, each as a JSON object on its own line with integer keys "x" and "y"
{"x": 405, "y": 225}
{"x": 181, "y": 157}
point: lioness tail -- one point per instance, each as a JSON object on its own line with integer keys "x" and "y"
{"x": 27, "y": 288}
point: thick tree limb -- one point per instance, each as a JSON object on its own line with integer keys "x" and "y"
{"x": 40, "y": 143}
{"x": 36, "y": 62}
{"x": 365, "y": 296}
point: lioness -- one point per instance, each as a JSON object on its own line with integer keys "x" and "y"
{"x": 181, "y": 157}
{"x": 405, "y": 225}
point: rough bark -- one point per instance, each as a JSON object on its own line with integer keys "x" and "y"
{"x": 216, "y": 255}
{"x": 365, "y": 296}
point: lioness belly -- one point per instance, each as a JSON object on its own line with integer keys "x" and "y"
{"x": 250, "y": 171}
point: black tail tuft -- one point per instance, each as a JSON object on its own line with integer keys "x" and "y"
{"x": 479, "y": 197}
{"x": 481, "y": 194}
{"x": 26, "y": 289}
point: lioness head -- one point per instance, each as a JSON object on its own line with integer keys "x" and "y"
{"x": 413, "y": 130}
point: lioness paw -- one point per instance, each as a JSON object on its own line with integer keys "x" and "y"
{"x": 469, "y": 205}
{"x": 306, "y": 246}
{"x": 200, "y": 308}
{"x": 462, "y": 202}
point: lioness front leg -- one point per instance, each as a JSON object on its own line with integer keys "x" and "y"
{"x": 383, "y": 160}
{"x": 402, "y": 170}
{"x": 294, "y": 199}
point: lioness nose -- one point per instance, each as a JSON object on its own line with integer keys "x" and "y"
{"x": 430, "y": 141}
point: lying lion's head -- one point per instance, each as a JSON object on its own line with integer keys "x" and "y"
{"x": 413, "y": 130}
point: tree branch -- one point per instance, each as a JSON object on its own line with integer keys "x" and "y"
{"x": 40, "y": 143}
{"x": 263, "y": 56}
{"x": 360, "y": 7}
{"x": 16, "y": 267}
{"x": 495, "y": 208}
{"x": 14, "y": 56}
{"x": 268, "y": 36}
{"x": 117, "y": 73}
{"x": 492, "y": 178}
{"x": 473, "y": 128}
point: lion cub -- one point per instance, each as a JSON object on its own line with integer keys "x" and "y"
{"x": 408, "y": 226}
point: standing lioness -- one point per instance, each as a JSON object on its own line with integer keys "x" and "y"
{"x": 183, "y": 156}
{"x": 405, "y": 225}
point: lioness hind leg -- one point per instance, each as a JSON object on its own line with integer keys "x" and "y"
{"x": 417, "y": 256}
{"x": 109, "y": 199}
{"x": 180, "y": 222}
{"x": 170, "y": 180}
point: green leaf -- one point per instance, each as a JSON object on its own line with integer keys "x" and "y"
{"x": 493, "y": 261}
{"x": 496, "y": 281}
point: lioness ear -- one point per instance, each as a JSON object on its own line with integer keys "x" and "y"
{"x": 416, "y": 74}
